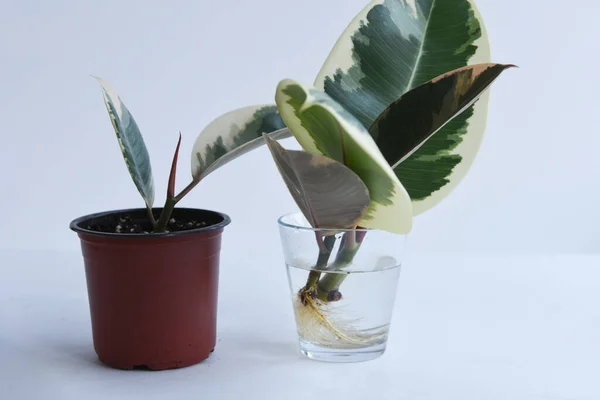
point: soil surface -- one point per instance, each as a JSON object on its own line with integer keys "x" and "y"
{"x": 127, "y": 224}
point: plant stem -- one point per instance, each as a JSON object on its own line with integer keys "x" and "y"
{"x": 165, "y": 216}
{"x": 329, "y": 284}
{"x": 322, "y": 260}
{"x": 187, "y": 189}
{"x": 151, "y": 216}
{"x": 325, "y": 247}
{"x": 311, "y": 282}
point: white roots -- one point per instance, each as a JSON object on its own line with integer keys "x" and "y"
{"x": 323, "y": 324}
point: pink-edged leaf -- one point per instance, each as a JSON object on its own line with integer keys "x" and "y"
{"x": 172, "y": 176}
{"x": 329, "y": 194}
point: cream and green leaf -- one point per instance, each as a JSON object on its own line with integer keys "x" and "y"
{"x": 234, "y": 134}
{"x": 322, "y": 126}
{"x": 131, "y": 142}
{"x": 394, "y": 46}
{"x": 329, "y": 194}
{"x": 416, "y": 116}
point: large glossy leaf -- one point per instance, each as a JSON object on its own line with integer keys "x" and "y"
{"x": 329, "y": 194}
{"x": 414, "y": 118}
{"x": 393, "y": 46}
{"x": 322, "y": 126}
{"x": 131, "y": 141}
{"x": 234, "y": 134}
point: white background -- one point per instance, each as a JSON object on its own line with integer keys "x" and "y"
{"x": 476, "y": 317}
{"x": 533, "y": 188}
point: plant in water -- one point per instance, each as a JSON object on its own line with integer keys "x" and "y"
{"x": 330, "y": 195}
{"x": 401, "y": 101}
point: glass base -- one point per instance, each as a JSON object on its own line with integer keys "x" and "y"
{"x": 347, "y": 355}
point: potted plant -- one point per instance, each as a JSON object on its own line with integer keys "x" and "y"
{"x": 392, "y": 123}
{"x": 152, "y": 273}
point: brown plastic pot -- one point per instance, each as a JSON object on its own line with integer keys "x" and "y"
{"x": 152, "y": 297}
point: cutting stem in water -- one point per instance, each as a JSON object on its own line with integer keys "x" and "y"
{"x": 325, "y": 247}
{"x": 329, "y": 283}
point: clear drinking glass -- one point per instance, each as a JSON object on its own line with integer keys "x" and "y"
{"x": 343, "y": 285}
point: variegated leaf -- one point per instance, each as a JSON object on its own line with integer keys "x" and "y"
{"x": 322, "y": 126}
{"x": 414, "y": 118}
{"x": 131, "y": 142}
{"x": 393, "y": 46}
{"x": 327, "y": 192}
{"x": 234, "y": 134}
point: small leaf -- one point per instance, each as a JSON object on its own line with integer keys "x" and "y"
{"x": 416, "y": 116}
{"x": 234, "y": 134}
{"x": 328, "y": 193}
{"x": 323, "y": 127}
{"x": 131, "y": 142}
{"x": 173, "y": 174}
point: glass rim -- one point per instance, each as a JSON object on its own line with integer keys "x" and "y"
{"x": 281, "y": 222}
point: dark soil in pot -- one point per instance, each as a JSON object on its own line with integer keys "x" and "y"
{"x": 133, "y": 222}
{"x": 153, "y": 297}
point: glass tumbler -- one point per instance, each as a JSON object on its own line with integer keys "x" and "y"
{"x": 343, "y": 287}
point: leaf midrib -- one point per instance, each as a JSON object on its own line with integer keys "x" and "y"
{"x": 310, "y": 209}
{"x": 421, "y": 48}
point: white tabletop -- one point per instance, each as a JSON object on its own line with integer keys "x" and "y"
{"x": 480, "y": 328}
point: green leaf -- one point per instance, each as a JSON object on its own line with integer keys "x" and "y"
{"x": 394, "y": 46}
{"x": 327, "y": 192}
{"x": 322, "y": 126}
{"x": 234, "y": 134}
{"x": 132, "y": 143}
{"x": 414, "y": 118}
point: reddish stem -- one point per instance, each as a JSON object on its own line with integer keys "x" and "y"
{"x": 188, "y": 189}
